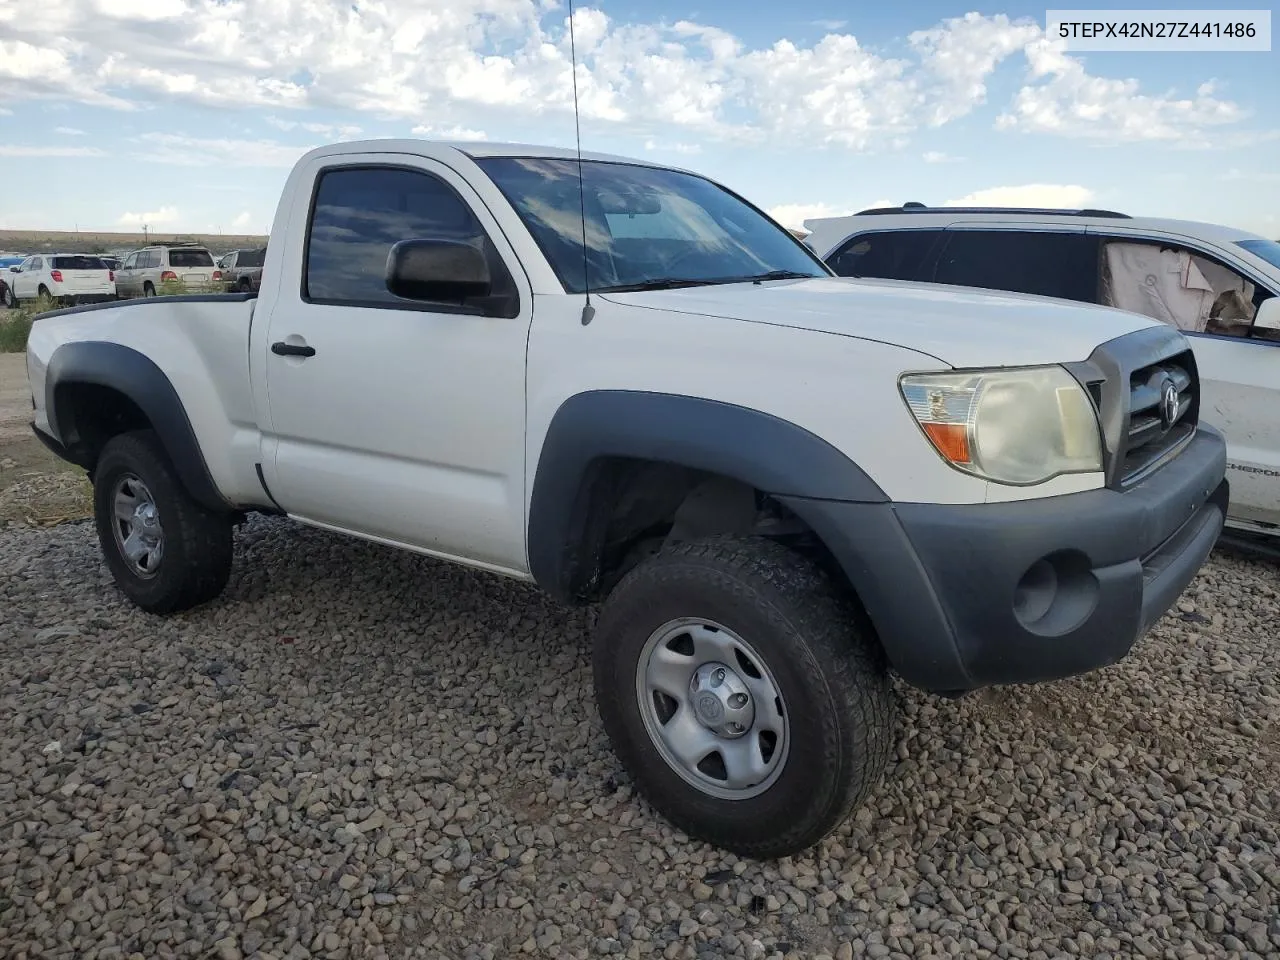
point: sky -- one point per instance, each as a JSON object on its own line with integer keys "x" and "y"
{"x": 185, "y": 115}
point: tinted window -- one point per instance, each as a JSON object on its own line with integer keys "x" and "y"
{"x": 643, "y": 225}
{"x": 360, "y": 213}
{"x": 190, "y": 258}
{"x": 1050, "y": 264}
{"x": 250, "y": 258}
{"x": 1268, "y": 250}
{"x": 895, "y": 255}
{"x": 78, "y": 263}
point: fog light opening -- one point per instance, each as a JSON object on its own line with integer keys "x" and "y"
{"x": 1056, "y": 594}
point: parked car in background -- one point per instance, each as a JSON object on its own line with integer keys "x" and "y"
{"x": 7, "y": 298}
{"x": 145, "y": 272}
{"x": 64, "y": 277}
{"x": 1216, "y": 284}
{"x": 825, "y": 479}
{"x": 242, "y": 269}
{"x": 112, "y": 262}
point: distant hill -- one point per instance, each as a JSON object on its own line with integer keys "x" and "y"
{"x": 88, "y": 241}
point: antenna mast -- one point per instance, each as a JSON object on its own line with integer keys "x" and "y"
{"x": 588, "y": 311}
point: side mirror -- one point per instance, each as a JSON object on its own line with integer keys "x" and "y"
{"x": 15, "y": 269}
{"x": 1268, "y": 315}
{"x": 441, "y": 270}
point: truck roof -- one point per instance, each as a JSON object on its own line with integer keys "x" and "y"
{"x": 439, "y": 149}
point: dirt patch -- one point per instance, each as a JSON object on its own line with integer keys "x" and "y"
{"x": 36, "y": 488}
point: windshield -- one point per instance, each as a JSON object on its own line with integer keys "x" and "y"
{"x": 78, "y": 263}
{"x": 646, "y": 226}
{"x": 1268, "y": 250}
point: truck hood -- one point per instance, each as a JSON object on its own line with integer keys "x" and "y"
{"x": 961, "y": 326}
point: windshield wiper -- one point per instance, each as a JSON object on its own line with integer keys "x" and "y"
{"x": 779, "y": 275}
{"x": 671, "y": 283}
{"x": 658, "y": 283}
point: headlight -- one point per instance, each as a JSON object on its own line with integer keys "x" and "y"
{"x": 1015, "y": 426}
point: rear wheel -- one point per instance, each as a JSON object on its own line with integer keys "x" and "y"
{"x": 742, "y": 693}
{"x": 148, "y": 290}
{"x": 166, "y": 551}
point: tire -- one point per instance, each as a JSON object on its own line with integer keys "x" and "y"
{"x": 148, "y": 290}
{"x": 192, "y": 561}
{"x": 756, "y": 606}
{"x": 10, "y": 301}
{"x": 245, "y": 286}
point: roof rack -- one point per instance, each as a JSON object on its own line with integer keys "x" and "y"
{"x": 917, "y": 207}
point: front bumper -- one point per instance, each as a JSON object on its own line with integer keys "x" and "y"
{"x": 968, "y": 596}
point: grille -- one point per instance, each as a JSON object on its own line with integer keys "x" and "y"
{"x": 1163, "y": 411}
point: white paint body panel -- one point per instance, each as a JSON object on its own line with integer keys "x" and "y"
{"x": 1240, "y": 378}
{"x": 424, "y": 429}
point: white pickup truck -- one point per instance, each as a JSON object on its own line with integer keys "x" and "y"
{"x": 781, "y": 484}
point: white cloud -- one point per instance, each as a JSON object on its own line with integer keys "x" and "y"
{"x": 5, "y": 112}
{"x": 154, "y": 218}
{"x": 471, "y": 64}
{"x": 938, "y": 156}
{"x": 829, "y": 25}
{"x": 1069, "y": 101}
{"x": 673, "y": 146}
{"x": 793, "y": 215}
{"x": 331, "y": 131}
{"x": 448, "y": 133}
{"x": 18, "y": 150}
{"x": 241, "y": 221}
{"x": 1070, "y": 196}
{"x": 69, "y": 131}
{"x": 961, "y": 53}
{"x": 187, "y": 151}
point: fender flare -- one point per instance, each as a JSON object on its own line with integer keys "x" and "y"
{"x": 138, "y": 378}
{"x": 773, "y": 455}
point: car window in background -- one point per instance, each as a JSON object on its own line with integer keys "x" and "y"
{"x": 37, "y": 263}
{"x": 892, "y": 255}
{"x": 1063, "y": 265}
{"x": 190, "y": 258}
{"x": 251, "y": 258}
{"x": 360, "y": 213}
{"x": 78, "y": 263}
{"x": 1268, "y": 250}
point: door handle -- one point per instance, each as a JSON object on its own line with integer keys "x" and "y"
{"x": 282, "y": 349}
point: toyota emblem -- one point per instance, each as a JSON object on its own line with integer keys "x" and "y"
{"x": 1168, "y": 404}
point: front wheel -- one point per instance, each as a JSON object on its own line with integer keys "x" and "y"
{"x": 165, "y": 551}
{"x": 742, "y": 693}
{"x": 10, "y": 301}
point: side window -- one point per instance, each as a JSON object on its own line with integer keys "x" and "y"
{"x": 1063, "y": 265}
{"x": 892, "y": 255}
{"x": 152, "y": 258}
{"x": 130, "y": 262}
{"x": 37, "y": 263}
{"x": 1181, "y": 287}
{"x": 359, "y": 213}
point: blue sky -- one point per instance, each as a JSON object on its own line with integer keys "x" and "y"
{"x": 186, "y": 114}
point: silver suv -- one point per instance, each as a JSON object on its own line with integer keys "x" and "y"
{"x": 150, "y": 270}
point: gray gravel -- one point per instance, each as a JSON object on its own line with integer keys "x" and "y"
{"x": 357, "y": 752}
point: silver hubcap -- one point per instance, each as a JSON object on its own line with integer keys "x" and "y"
{"x": 712, "y": 708}
{"x": 136, "y": 523}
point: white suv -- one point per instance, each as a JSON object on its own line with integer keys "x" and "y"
{"x": 65, "y": 277}
{"x": 1216, "y": 284}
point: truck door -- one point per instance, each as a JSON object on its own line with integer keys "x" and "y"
{"x": 394, "y": 419}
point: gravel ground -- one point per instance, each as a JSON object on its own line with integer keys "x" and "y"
{"x": 357, "y": 752}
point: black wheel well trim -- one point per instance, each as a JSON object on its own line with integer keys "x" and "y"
{"x": 138, "y": 379}
{"x": 594, "y": 427}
